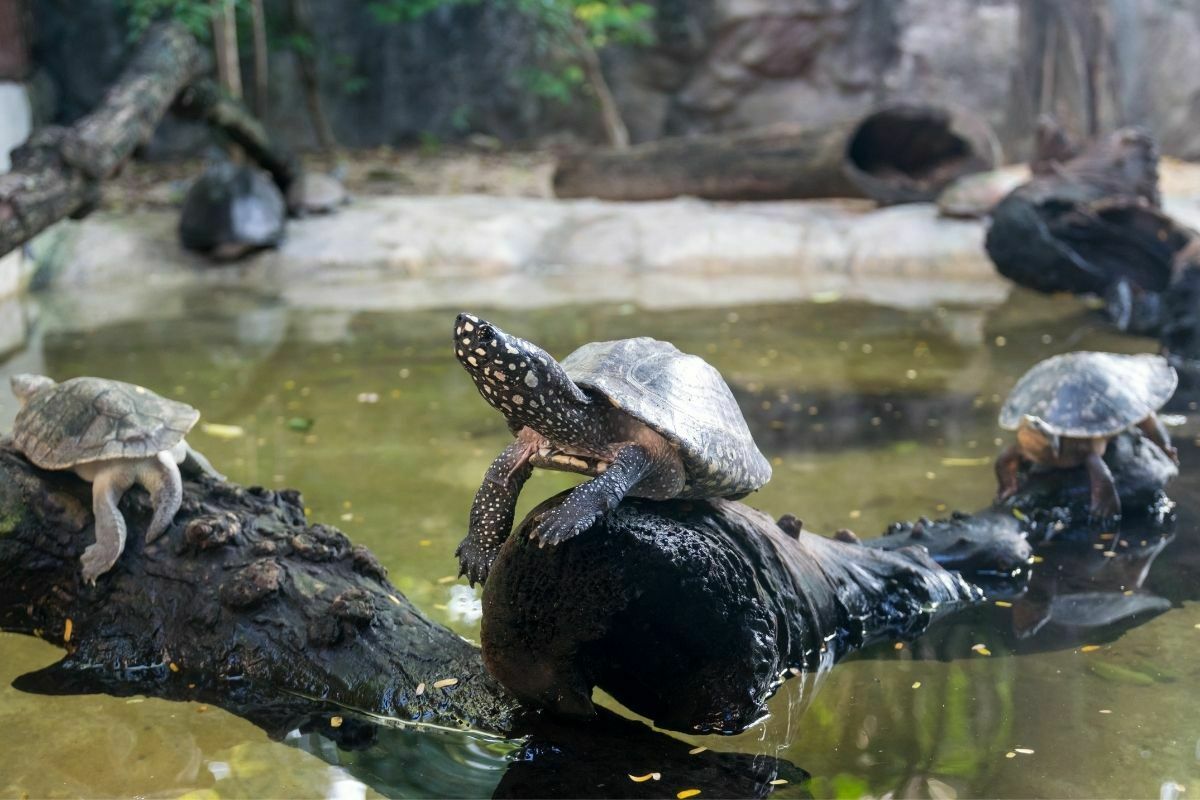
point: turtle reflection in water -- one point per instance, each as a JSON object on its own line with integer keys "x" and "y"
{"x": 113, "y": 435}
{"x": 1067, "y": 408}
{"x": 639, "y": 416}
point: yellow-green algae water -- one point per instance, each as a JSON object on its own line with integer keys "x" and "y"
{"x": 869, "y": 415}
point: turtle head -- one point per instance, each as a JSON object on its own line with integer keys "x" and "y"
{"x": 518, "y": 378}
{"x": 1042, "y": 429}
{"x": 26, "y": 385}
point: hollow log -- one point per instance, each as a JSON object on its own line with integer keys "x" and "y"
{"x": 897, "y": 154}
{"x": 57, "y": 172}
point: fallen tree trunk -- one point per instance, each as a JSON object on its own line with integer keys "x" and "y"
{"x": 57, "y": 172}
{"x": 898, "y": 154}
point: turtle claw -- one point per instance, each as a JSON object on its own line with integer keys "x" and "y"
{"x": 557, "y": 528}
{"x": 472, "y": 563}
{"x": 96, "y": 561}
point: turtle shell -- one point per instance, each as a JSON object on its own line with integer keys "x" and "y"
{"x": 93, "y": 419}
{"x": 683, "y": 398}
{"x": 1087, "y": 395}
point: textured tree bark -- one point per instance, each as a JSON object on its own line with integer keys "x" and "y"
{"x": 56, "y": 173}
{"x": 902, "y": 153}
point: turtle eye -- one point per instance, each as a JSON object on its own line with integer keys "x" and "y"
{"x": 485, "y": 332}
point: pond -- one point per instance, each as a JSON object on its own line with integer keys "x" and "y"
{"x": 869, "y": 415}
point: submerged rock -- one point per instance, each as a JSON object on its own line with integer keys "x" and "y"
{"x": 231, "y": 211}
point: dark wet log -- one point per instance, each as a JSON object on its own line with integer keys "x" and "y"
{"x": 243, "y": 604}
{"x": 204, "y": 100}
{"x": 898, "y": 154}
{"x": 693, "y": 613}
{"x": 1092, "y": 225}
{"x": 56, "y": 173}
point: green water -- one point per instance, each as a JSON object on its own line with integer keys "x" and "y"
{"x": 869, "y": 415}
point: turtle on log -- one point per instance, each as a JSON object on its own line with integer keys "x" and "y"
{"x": 113, "y": 435}
{"x": 1067, "y": 408}
{"x": 637, "y": 415}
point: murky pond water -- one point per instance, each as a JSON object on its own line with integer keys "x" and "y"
{"x": 870, "y": 415}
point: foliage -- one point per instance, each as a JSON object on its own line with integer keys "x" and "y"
{"x": 395, "y": 12}
{"x": 195, "y": 15}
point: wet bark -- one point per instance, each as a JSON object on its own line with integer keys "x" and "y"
{"x": 1086, "y": 224}
{"x": 897, "y": 154}
{"x": 57, "y": 172}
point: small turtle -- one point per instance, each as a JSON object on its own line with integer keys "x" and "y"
{"x": 1067, "y": 408}
{"x": 113, "y": 435}
{"x": 232, "y": 211}
{"x": 315, "y": 193}
{"x": 639, "y": 416}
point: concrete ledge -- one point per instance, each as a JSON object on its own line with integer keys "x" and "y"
{"x": 411, "y": 252}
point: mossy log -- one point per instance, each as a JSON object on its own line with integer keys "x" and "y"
{"x": 57, "y": 173}
{"x": 896, "y": 154}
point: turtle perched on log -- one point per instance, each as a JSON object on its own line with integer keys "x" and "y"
{"x": 1067, "y": 408}
{"x": 637, "y": 415}
{"x": 113, "y": 435}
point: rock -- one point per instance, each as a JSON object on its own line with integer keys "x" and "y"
{"x": 232, "y": 211}
{"x": 315, "y": 193}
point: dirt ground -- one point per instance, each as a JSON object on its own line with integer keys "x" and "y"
{"x": 431, "y": 170}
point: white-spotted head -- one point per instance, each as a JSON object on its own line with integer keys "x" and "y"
{"x": 516, "y": 377}
{"x": 26, "y": 385}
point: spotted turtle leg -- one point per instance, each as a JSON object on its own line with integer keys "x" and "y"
{"x": 590, "y": 501}
{"x": 493, "y": 510}
{"x": 1105, "y": 510}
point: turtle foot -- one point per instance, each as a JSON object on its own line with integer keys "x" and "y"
{"x": 97, "y": 560}
{"x": 473, "y": 562}
{"x": 557, "y": 527}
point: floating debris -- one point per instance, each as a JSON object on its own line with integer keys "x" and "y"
{"x": 1019, "y": 514}
{"x": 369, "y": 398}
{"x": 1025, "y": 751}
{"x": 981, "y": 648}
{"x": 649, "y": 776}
{"x": 916, "y": 684}
{"x": 1003, "y": 604}
{"x": 300, "y": 424}
{"x": 898, "y": 646}
{"x": 686, "y": 793}
{"x": 444, "y": 682}
{"x": 442, "y": 581}
{"x": 335, "y": 722}
{"x": 778, "y": 782}
{"x": 219, "y": 431}
{"x": 68, "y": 626}
{"x": 695, "y": 751}
{"x": 1106, "y": 711}
{"x": 173, "y": 667}
{"x": 1010, "y": 754}
{"x": 420, "y": 689}
{"x": 1089, "y": 648}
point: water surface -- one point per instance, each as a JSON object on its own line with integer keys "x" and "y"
{"x": 869, "y": 415}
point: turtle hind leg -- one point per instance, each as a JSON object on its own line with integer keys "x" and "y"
{"x": 1105, "y": 508}
{"x": 590, "y": 501}
{"x": 493, "y": 510}
{"x": 107, "y": 488}
{"x": 1008, "y": 465}
{"x": 160, "y": 476}
{"x": 1153, "y": 429}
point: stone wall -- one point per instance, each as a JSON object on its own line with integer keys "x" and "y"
{"x": 718, "y": 65}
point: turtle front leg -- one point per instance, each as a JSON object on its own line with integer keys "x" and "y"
{"x": 1008, "y": 463}
{"x": 160, "y": 476}
{"x": 194, "y": 463}
{"x": 590, "y": 501}
{"x": 1105, "y": 509}
{"x": 1153, "y": 429}
{"x": 493, "y": 510}
{"x": 107, "y": 488}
